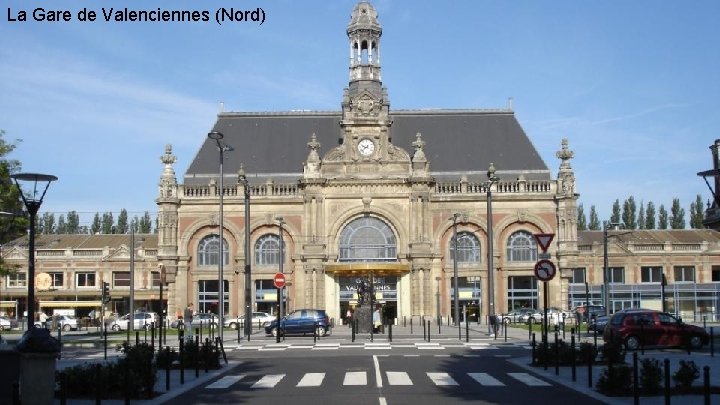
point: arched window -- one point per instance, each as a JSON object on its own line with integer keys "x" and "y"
{"x": 521, "y": 247}
{"x": 208, "y": 251}
{"x": 468, "y": 248}
{"x": 367, "y": 239}
{"x": 267, "y": 250}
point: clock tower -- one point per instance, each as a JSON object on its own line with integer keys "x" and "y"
{"x": 366, "y": 121}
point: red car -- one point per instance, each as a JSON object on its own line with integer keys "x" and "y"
{"x": 635, "y": 327}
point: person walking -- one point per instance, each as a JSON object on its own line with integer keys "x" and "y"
{"x": 187, "y": 321}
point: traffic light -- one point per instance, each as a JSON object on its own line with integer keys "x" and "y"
{"x": 105, "y": 292}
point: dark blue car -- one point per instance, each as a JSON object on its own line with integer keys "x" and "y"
{"x": 301, "y": 322}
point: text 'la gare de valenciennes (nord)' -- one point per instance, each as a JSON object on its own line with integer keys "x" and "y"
{"x": 112, "y": 14}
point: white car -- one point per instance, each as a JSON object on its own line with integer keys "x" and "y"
{"x": 141, "y": 320}
{"x": 258, "y": 319}
{"x": 8, "y": 323}
{"x": 65, "y": 322}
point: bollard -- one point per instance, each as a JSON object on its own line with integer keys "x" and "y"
{"x": 428, "y": 326}
{"x": 424, "y": 330}
{"x": 636, "y": 380}
{"x": 137, "y": 338}
{"x": 439, "y": 327}
{"x": 105, "y": 343}
{"x": 706, "y": 385}
{"x": 467, "y": 332}
{"x": 590, "y": 370}
{"x": 411, "y": 326}
{"x": 557, "y": 355}
{"x": 206, "y": 353}
{"x": 704, "y": 322}
{"x": 152, "y": 335}
{"x": 60, "y": 341}
{"x": 505, "y": 326}
{"x": 712, "y": 343}
{"x": 168, "y": 365}
{"x": 98, "y": 384}
{"x": 390, "y": 332}
{"x": 145, "y": 329}
{"x": 572, "y": 350}
{"x": 221, "y": 348}
{"x": 315, "y": 326}
{"x": 238, "y": 332}
{"x": 181, "y": 350}
{"x": 667, "y": 381}
{"x": 63, "y": 392}
{"x": 533, "y": 349}
{"x": 352, "y": 330}
{"x": 196, "y": 356}
{"x": 404, "y": 319}
{"x": 530, "y": 322}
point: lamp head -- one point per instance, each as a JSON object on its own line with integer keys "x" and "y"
{"x": 33, "y": 195}
{"x": 241, "y": 175}
{"x": 215, "y": 135}
{"x": 491, "y": 173}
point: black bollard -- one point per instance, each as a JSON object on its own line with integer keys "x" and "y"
{"x": 145, "y": 329}
{"x": 315, "y": 326}
{"x": 104, "y": 332}
{"x": 706, "y": 385}
{"x": 181, "y": 349}
{"x": 532, "y": 340}
{"x": 712, "y": 342}
{"x": 530, "y": 322}
{"x": 196, "y": 356}
{"x": 206, "y": 352}
{"x": 667, "y": 381}
{"x": 467, "y": 332}
{"x": 238, "y": 332}
{"x": 590, "y": 364}
{"x": 137, "y": 338}
{"x": 404, "y": 321}
{"x": 557, "y": 355}
{"x": 424, "y": 330}
{"x": 636, "y": 380}
{"x": 572, "y": 358}
{"x": 428, "y": 326}
{"x": 352, "y": 330}
{"x": 168, "y": 365}
{"x": 390, "y": 332}
{"x": 505, "y": 326}
{"x": 60, "y": 341}
{"x": 152, "y": 336}
{"x": 98, "y": 384}
{"x": 411, "y": 326}
{"x": 704, "y": 322}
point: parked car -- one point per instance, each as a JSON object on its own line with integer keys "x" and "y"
{"x": 554, "y": 316}
{"x": 301, "y": 321}
{"x": 635, "y": 327}
{"x": 7, "y": 323}
{"x": 258, "y": 318}
{"x": 199, "y": 319}
{"x": 141, "y": 320}
{"x": 517, "y": 315}
{"x": 598, "y": 323}
{"x": 64, "y": 322}
{"x": 583, "y": 312}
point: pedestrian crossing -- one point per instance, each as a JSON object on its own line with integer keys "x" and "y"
{"x": 392, "y": 378}
{"x": 372, "y": 346}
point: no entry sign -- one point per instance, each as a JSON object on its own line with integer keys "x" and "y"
{"x": 279, "y": 280}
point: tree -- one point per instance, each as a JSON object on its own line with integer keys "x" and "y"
{"x": 12, "y": 226}
{"x": 73, "y": 223}
{"x": 107, "y": 223}
{"x": 662, "y": 218}
{"x": 677, "y": 217}
{"x": 696, "y": 213}
{"x": 650, "y": 216}
{"x": 615, "y": 217}
{"x": 96, "y": 224}
{"x": 629, "y": 213}
{"x": 122, "y": 222}
{"x": 641, "y": 216}
{"x": 146, "y": 223}
{"x": 48, "y": 226}
{"x": 581, "y": 220}
{"x": 61, "y": 228}
{"x": 594, "y": 220}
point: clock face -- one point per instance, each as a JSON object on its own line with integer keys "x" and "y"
{"x": 366, "y": 147}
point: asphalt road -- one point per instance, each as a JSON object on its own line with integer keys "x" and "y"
{"x": 386, "y": 377}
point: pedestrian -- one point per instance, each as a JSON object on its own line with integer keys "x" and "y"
{"x": 376, "y": 320}
{"x": 348, "y": 317}
{"x": 187, "y": 321}
{"x": 43, "y": 319}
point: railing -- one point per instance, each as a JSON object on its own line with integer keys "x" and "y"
{"x": 687, "y": 246}
{"x": 258, "y": 190}
{"x": 87, "y": 252}
{"x": 51, "y": 253}
{"x": 520, "y": 186}
{"x": 650, "y": 247}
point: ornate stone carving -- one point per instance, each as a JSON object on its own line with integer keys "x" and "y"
{"x": 313, "y": 145}
{"x": 335, "y": 154}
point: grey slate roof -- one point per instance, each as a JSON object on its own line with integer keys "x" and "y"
{"x": 458, "y": 141}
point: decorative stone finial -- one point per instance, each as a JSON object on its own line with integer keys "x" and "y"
{"x": 418, "y": 144}
{"x": 313, "y": 145}
{"x": 565, "y": 155}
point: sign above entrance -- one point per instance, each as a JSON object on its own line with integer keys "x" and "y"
{"x": 545, "y": 270}
{"x": 279, "y": 280}
{"x": 543, "y": 240}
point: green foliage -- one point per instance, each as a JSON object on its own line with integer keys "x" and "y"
{"x": 615, "y": 217}
{"x": 565, "y": 353}
{"x": 613, "y": 353}
{"x": 641, "y": 216}
{"x": 677, "y": 217}
{"x": 107, "y": 223}
{"x": 650, "y": 216}
{"x": 581, "y": 220}
{"x": 594, "y": 220}
{"x": 651, "y": 374}
{"x": 686, "y": 375}
{"x": 662, "y": 218}
{"x": 628, "y": 213}
{"x": 96, "y": 224}
{"x": 122, "y": 222}
{"x": 616, "y": 380}
{"x": 145, "y": 223}
{"x": 696, "y": 213}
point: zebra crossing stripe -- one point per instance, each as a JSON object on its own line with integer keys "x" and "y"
{"x": 311, "y": 380}
{"x": 268, "y": 381}
{"x": 225, "y": 382}
{"x": 486, "y": 380}
{"x": 398, "y": 378}
{"x": 442, "y": 379}
{"x": 529, "y": 380}
{"x": 355, "y": 378}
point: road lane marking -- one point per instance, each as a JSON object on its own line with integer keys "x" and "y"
{"x": 442, "y": 379}
{"x": 355, "y": 378}
{"x": 268, "y": 381}
{"x": 378, "y": 376}
{"x": 529, "y": 380}
{"x": 311, "y": 380}
{"x": 486, "y": 379}
{"x": 225, "y": 382}
{"x": 398, "y": 378}
{"x": 383, "y": 401}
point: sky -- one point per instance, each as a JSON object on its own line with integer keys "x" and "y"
{"x": 632, "y": 85}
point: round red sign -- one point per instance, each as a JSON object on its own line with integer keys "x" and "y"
{"x": 279, "y": 280}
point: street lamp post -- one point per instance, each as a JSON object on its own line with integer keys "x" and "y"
{"x": 222, "y": 148}
{"x": 456, "y": 290}
{"x": 492, "y": 178}
{"x": 606, "y": 276}
{"x": 242, "y": 178}
{"x": 32, "y": 200}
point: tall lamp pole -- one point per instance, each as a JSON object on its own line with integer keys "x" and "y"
{"x": 492, "y": 178}
{"x": 222, "y": 148}
{"x": 32, "y": 198}
{"x": 456, "y": 290}
{"x": 242, "y": 178}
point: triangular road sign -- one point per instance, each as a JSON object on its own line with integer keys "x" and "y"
{"x": 543, "y": 240}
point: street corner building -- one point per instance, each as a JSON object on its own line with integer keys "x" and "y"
{"x": 436, "y": 209}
